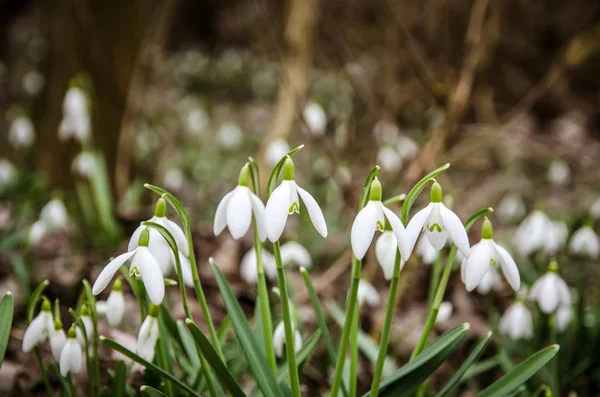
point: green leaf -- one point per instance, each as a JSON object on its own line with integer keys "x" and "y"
{"x": 119, "y": 378}
{"x": 411, "y": 375}
{"x": 173, "y": 201}
{"x": 520, "y": 374}
{"x": 159, "y": 371}
{"x": 418, "y": 188}
{"x": 188, "y": 344}
{"x": 7, "y": 308}
{"x": 214, "y": 360}
{"x": 477, "y": 216}
{"x": 91, "y": 301}
{"x": 255, "y": 175}
{"x": 149, "y": 391}
{"x": 277, "y": 170}
{"x": 480, "y": 367}
{"x": 396, "y": 199}
{"x": 364, "y": 198}
{"x": 458, "y": 375}
{"x": 35, "y": 297}
{"x": 255, "y": 357}
{"x": 302, "y": 356}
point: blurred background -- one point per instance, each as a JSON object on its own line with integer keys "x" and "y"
{"x": 99, "y": 97}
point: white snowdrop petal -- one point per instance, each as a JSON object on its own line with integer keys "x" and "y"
{"x": 314, "y": 211}
{"x": 35, "y": 333}
{"x": 109, "y": 271}
{"x": 135, "y": 238}
{"x": 239, "y": 212}
{"x": 445, "y": 312}
{"x": 478, "y": 264}
{"x": 456, "y": 229}
{"x": 115, "y": 308}
{"x": 399, "y": 231}
{"x": 147, "y": 338}
{"x": 160, "y": 249}
{"x": 258, "y": 209}
{"x": 179, "y": 236}
{"x": 563, "y": 292}
{"x": 363, "y": 229}
{"x": 57, "y": 342}
{"x": 151, "y": 275}
{"x": 221, "y": 214}
{"x": 415, "y": 226}
{"x": 367, "y": 294}
{"x": 276, "y": 210}
{"x": 428, "y": 253}
{"x": 548, "y": 296}
{"x": 279, "y": 339}
{"x": 293, "y": 253}
{"x": 385, "y": 251}
{"x": 563, "y": 317}
{"x": 186, "y": 270}
{"x": 509, "y": 267}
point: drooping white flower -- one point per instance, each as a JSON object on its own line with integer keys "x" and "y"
{"x": 54, "y": 214}
{"x": 88, "y": 326}
{"x": 563, "y": 318}
{"x": 389, "y": 159}
{"x": 373, "y": 217}
{"x": 385, "y": 251}
{"x": 285, "y": 200}
{"x": 550, "y": 291}
{"x": 367, "y": 294}
{"x": 143, "y": 264}
{"x": 248, "y": 266}
{"x": 58, "y": 338}
{"x": 71, "y": 356}
{"x": 21, "y": 133}
{"x": 84, "y": 164}
{"x": 38, "y": 330}
{"x": 439, "y": 223}
{"x": 511, "y": 207}
{"x": 37, "y": 232}
{"x": 76, "y": 122}
{"x": 115, "y": 304}
{"x": 491, "y": 281}
{"x": 8, "y": 173}
{"x": 275, "y": 151}
{"x": 444, "y": 312}
{"x": 595, "y": 209}
{"x": 406, "y": 147}
{"x": 427, "y": 251}
{"x": 237, "y": 208}
{"x": 559, "y": 172}
{"x": 279, "y": 340}
{"x": 486, "y": 254}
{"x": 315, "y": 118}
{"x": 158, "y": 246}
{"x": 229, "y": 136}
{"x": 148, "y": 335}
{"x": 294, "y": 254}
{"x": 538, "y": 232}
{"x": 516, "y": 322}
{"x": 585, "y": 242}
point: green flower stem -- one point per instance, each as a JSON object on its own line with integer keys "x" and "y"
{"x": 71, "y": 385}
{"x": 554, "y": 364}
{"x": 387, "y": 325}
{"x": 288, "y": 323}
{"x": 38, "y": 356}
{"x": 354, "y": 352}
{"x": 435, "y": 279}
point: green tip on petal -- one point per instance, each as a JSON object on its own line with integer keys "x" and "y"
{"x": 57, "y": 324}
{"x": 144, "y": 238}
{"x": 46, "y": 306}
{"x": 487, "y": 230}
{"x": 436, "y": 193}
{"x": 244, "y": 175}
{"x": 153, "y": 311}
{"x": 553, "y": 266}
{"x": 72, "y": 333}
{"x": 84, "y": 311}
{"x": 118, "y": 285}
{"x": 288, "y": 169}
{"x": 160, "y": 210}
{"x": 375, "y": 191}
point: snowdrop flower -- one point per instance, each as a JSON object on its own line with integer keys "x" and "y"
{"x": 143, "y": 264}
{"x": 197, "y": 121}
{"x": 491, "y": 281}
{"x": 516, "y": 322}
{"x": 84, "y": 164}
{"x": 88, "y": 326}
{"x": 248, "y": 266}
{"x": 406, "y": 147}
{"x": 21, "y": 133}
{"x": 115, "y": 304}
{"x": 236, "y": 209}
{"x": 373, "y": 217}
{"x": 559, "y": 172}
{"x": 444, "y": 312}
{"x": 285, "y": 200}
{"x": 158, "y": 246}
{"x": 563, "y": 318}
{"x": 37, "y": 331}
{"x": 585, "y": 242}
{"x": 389, "y": 159}
{"x": 279, "y": 340}
{"x": 427, "y": 252}
{"x": 595, "y": 209}
{"x": 71, "y": 356}
{"x": 550, "y": 291}
{"x": 37, "y": 232}
{"x": 315, "y": 118}
{"x": 275, "y": 151}
{"x": 76, "y": 121}
{"x": 439, "y": 223}
{"x": 54, "y": 214}
{"x": 148, "y": 335}
{"x": 486, "y": 254}
{"x": 174, "y": 178}
{"x": 385, "y": 251}
{"x": 367, "y": 294}
{"x": 229, "y": 136}
{"x": 294, "y": 254}
{"x": 8, "y": 173}
{"x": 536, "y": 232}
{"x": 58, "y": 338}
{"x": 511, "y": 207}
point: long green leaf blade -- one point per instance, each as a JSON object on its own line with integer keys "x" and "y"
{"x": 119, "y": 377}
{"x": 148, "y": 391}
{"x": 35, "y": 297}
{"x": 418, "y": 188}
{"x": 7, "y": 308}
{"x": 520, "y": 374}
{"x": 277, "y": 170}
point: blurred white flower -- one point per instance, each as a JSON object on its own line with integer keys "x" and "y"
{"x": 174, "y": 178}
{"x": 38, "y": 330}
{"x": 445, "y": 312}
{"x": 550, "y": 292}
{"x": 21, "y": 133}
{"x": 84, "y": 164}
{"x": 58, "y": 338}
{"x": 37, "y": 232}
{"x": 406, "y": 147}
{"x": 427, "y": 251}
{"x": 389, "y": 159}
{"x": 148, "y": 335}
{"x": 8, "y": 173}
{"x": 294, "y": 254}
{"x": 595, "y": 209}
{"x": 71, "y": 356}
{"x": 33, "y": 82}
{"x": 559, "y": 172}
{"x": 115, "y": 305}
{"x": 385, "y": 132}
{"x": 229, "y": 136}
{"x": 197, "y": 121}
{"x": 585, "y": 242}
{"x": 54, "y": 214}
{"x": 385, "y": 251}
{"x": 275, "y": 151}
{"x": 563, "y": 318}
{"x": 511, "y": 207}
{"x": 491, "y": 281}
{"x": 315, "y": 118}
{"x": 76, "y": 121}
{"x": 248, "y": 266}
{"x": 516, "y": 322}
{"x": 537, "y": 232}
{"x": 367, "y": 294}
{"x": 279, "y": 340}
